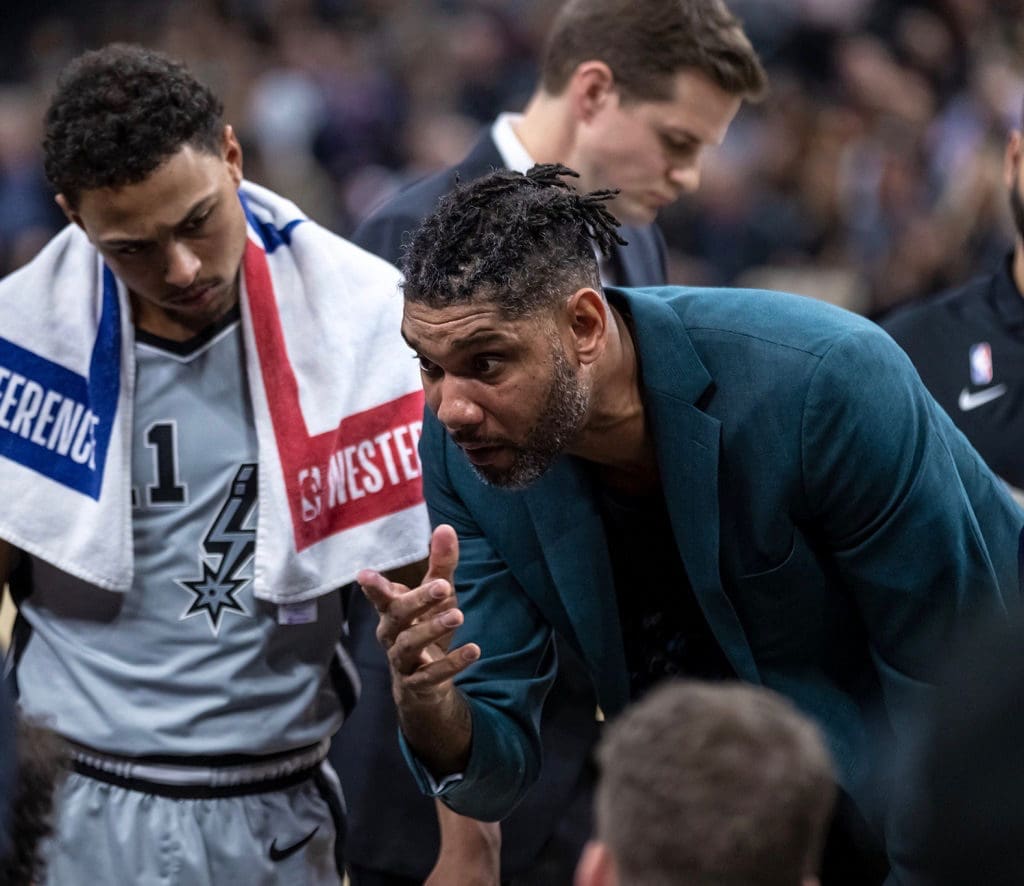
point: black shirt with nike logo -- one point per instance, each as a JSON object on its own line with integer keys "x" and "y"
{"x": 968, "y": 347}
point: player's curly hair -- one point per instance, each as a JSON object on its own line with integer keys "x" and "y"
{"x": 118, "y": 113}
{"x": 523, "y": 241}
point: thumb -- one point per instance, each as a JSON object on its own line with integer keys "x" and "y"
{"x": 444, "y": 554}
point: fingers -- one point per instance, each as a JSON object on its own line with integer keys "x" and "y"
{"x": 421, "y": 643}
{"x": 416, "y": 625}
{"x": 399, "y": 607}
{"x": 429, "y": 676}
{"x": 376, "y": 588}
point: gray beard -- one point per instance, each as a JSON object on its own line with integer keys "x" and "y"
{"x": 561, "y": 419}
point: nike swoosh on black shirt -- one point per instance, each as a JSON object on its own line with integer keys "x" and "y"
{"x": 282, "y": 853}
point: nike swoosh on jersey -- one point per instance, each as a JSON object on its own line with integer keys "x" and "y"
{"x": 282, "y": 853}
{"x": 968, "y": 400}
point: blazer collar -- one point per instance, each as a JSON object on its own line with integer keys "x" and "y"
{"x": 687, "y": 442}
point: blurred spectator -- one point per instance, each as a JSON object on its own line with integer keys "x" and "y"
{"x": 864, "y": 168}
{"x": 710, "y": 784}
{"x": 28, "y": 215}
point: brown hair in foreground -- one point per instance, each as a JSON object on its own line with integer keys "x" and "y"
{"x": 721, "y": 784}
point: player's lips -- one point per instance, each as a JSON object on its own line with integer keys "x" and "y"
{"x": 481, "y": 453}
{"x": 194, "y": 296}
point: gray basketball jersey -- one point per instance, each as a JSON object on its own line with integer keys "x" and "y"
{"x": 188, "y": 662}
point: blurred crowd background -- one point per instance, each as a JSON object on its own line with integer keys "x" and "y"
{"x": 871, "y": 174}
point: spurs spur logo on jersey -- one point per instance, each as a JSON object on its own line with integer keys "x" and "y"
{"x": 225, "y": 553}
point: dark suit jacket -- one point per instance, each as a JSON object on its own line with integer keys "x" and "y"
{"x": 392, "y": 826}
{"x": 834, "y": 525}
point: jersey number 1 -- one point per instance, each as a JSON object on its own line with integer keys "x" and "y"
{"x": 167, "y": 490}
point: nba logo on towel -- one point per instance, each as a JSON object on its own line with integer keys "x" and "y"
{"x": 981, "y": 363}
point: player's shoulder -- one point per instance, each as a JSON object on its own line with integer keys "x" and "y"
{"x": 775, "y": 319}
{"x": 385, "y": 229}
{"x": 414, "y": 201}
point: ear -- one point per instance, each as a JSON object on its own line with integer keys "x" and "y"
{"x": 587, "y": 316}
{"x": 1012, "y": 158}
{"x": 69, "y": 213}
{"x": 596, "y": 866}
{"x": 231, "y": 152}
{"x": 591, "y": 89}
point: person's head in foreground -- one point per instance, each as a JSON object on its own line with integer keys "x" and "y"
{"x": 633, "y": 91}
{"x": 709, "y": 785}
{"x": 141, "y": 160}
{"x": 503, "y": 304}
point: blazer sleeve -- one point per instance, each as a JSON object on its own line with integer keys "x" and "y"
{"x": 507, "y": 686}
{"x": 919, "y": 528}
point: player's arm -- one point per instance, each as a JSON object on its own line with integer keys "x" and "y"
{"x": 415, "y": 629}
{"x": 919, "y": 528}
{"x": 470, "y": 851}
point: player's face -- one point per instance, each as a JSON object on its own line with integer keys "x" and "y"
{"x": 504, "y": 389}
{"x": 652, "y": 150}
{"x": 175, "y": 239}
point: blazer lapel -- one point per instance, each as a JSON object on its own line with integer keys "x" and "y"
{"x": 687, "y": 443}
{"x": 569, "y": 528}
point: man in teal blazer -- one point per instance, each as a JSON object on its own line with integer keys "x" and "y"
{"x": 723, "y": 482}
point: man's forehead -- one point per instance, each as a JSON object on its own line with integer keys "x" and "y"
{"x": 164, "y": 198}
{"x": 422, "y": 317}
{"x": 459, "y": 325}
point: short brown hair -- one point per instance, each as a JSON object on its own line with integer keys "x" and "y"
{"x": 647, "y": 42}
{"x": 722, "y": 784}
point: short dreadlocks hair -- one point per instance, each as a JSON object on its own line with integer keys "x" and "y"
{"x": 119, "y": 113}
{"x": 523, "y": 241}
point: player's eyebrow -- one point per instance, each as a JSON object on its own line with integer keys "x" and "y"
{"x": 197, "y": 208}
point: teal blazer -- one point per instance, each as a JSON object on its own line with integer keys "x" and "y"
{"x": 834, "y": 525}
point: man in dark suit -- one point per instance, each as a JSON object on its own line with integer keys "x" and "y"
{"x": 711, "y": 482}
{"x": 631, "y": 95}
